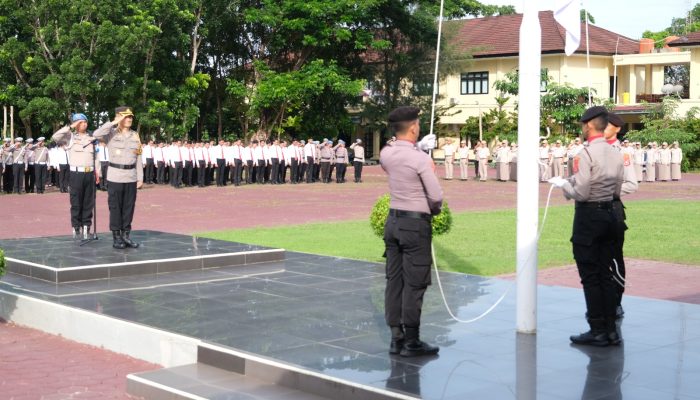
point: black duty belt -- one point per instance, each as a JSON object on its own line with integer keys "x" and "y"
{"x": 410, "y": 214}
{"x": 604, "y": 205}
{"x": 122, "y": 166}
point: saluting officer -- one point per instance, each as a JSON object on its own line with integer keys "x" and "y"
{"x": 41, "y": 165}
{"x": 415, "y": 197}
{"x": 80, "y": 146}
{"x": 125, "y": 174}
{"x": 597, "y": 180}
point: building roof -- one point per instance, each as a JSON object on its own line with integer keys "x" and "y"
{"x": 500, "y": 37}
{"x": 691, "y": 39}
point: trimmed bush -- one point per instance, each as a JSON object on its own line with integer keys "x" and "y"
{"x": 441, "y": 222}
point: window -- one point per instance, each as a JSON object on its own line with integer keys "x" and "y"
{"x": 475, "y": 83}
{"x": 423, "y": 86}
{"x": 544, "y": 78}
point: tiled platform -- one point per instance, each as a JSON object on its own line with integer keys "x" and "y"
{"x": 61, "y": 259}
{"x": 327, "y": 315}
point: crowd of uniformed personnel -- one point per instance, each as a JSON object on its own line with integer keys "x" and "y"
{"x": 652, "y": 162}
{"x": 29, "y": 167}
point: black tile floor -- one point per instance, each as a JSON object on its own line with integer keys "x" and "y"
{"x": 62, "y": 252}
{"x": 327, "y": 314}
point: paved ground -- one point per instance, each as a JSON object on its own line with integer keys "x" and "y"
{"x": 35, "y": 365}
{"x": 192, "y": 210}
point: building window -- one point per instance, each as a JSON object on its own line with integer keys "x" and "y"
{"x": 423, "y": 86}
{"x": 544, "y": 78}
{"x": 475, "y": 83}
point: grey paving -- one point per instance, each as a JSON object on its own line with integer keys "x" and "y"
{"x": 327, "y": 315}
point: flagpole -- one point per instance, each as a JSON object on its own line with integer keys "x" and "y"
{"x": 528, "y": 181}
{"x": 588, "y": 59}
{"x": 437, "y": 63}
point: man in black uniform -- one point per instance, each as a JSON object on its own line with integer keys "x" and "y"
{"x": 415, "y": 197}
{"x": 597, "y": 180}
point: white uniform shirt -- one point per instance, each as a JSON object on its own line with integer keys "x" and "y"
{"x": 309, "y": 150}
{"x": 483, "y": 152}
{"x": 103, "y": 153}
{"x": 258, "y": 154}
{"x": 449, "y": 150}
{"x": 464, "y": 153}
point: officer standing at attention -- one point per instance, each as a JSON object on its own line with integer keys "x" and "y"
{"x": 597, "y": 180}
{"x": 125, "y": 174}
{"x": 41, "y": 165}
{"x": 83, "y": 167}
{"x": 415, "y": 197}
{"x": 359, "y": 159}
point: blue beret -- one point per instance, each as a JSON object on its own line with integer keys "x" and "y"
{"x": 78, "y": 117}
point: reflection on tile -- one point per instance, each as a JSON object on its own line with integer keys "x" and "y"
{"x": 327, "y": 314}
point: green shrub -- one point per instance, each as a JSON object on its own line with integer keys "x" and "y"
{"x": 2, "y": 263}
{"x": 441, "y": 222}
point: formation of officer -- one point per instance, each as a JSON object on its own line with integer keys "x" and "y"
{"x": 415, "y": 197}
{"x": 124, "y": 174}
{"x": 597, "y": 181}
{"x": 83, "y": 169}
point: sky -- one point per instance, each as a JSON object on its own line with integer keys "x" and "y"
{"x": 626, "y": 17}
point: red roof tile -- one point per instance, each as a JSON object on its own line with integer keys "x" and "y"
{"x": 691, "y": 39}
{"x": 500, "y": 37}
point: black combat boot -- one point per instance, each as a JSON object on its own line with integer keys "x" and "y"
{"x": 127, "y": 240}
{"x": 613, "y": 326}
{"x": 118, "y": 242}
{"x": 76, "y": 232}
{"x": 413, "y": 347}
{"x": 397, "y": 340}
{"x": 597, "y": 336}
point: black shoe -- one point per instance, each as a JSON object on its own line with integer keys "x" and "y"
{"x": 596, "y": 336}
{"x": 76, "y": 232}
{"x": 118, "y": 242}
{"x": 127, "y": 240}
{"x": 397, "y": 340}
{"x": 619, "y": 312}
{"x": 414, "y": 347}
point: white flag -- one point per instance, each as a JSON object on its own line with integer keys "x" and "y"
{"x": 568, "y": 15}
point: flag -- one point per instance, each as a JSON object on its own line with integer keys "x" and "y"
{"x": 568, "y": 15}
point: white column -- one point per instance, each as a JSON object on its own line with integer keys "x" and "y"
{"x": 528, "y": 182}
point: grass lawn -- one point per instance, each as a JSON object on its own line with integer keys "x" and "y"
{"x": 483, "y": 243}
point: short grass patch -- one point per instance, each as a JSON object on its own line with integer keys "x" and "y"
{"x": 483, "y": 243}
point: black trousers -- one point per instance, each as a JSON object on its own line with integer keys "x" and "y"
{"x": 260, "y": 174}
{"x": 82, "y": 198}
{"x": 325, "y": 171}
{"x": 64, "y": 177}
{"x": 249, "y": 171}
{"x": 121, "y": 201}
{"x": 201, "y": 173}
{"x": 274, "y": 170}
{"x": 309, "y": 169}
{"x": 294, "y": 171}
{"x": 104, "y": 167}
{"x": 220, "y": 171}
{"x": 358, "y": 170}
{"x": 40, "y": 171}
{"x": 317, "y": 172}
{"x": 7, "y": 179}
{"x": 176, "y": 174}
{"x": 237, "y": 171}
{"x": 302, "y": 171}
{"x": 29, "y": 179}
{"x": 282, "y": 177}
{"x": 408, "y": 259}
{"x": 160, "y": 173}
{"x": 340, "y": 172}
{"x": 17, "y": 177}
{"x": 150, "y": 166}
{"x": 189, "y": 172}
{"x": 619, "y": 271}
{"x": 593, "y": 240}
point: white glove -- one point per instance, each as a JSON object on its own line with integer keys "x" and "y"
{"x": 558, "y": 181}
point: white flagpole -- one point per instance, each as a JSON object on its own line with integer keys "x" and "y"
{"x": 528, "y": 168}
{"x": 588, "y": 59}
{"x": 437, "y": 63}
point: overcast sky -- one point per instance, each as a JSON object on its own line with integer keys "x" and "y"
{"x": 627, "y": 17}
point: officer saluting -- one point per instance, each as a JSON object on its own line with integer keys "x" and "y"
{"x": 125, "y": 174}
{"x": 597, "y": 180}
{"x": 415, "y": 196}
{"x": 82, "y": 169}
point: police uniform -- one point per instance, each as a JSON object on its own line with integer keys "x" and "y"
{"x": 676, "y": 159}
{"x": 124, "y": 174}
{"x": 6, "y": 160}
{"x": 415, "y": 196}
{"x": 326, "y": 155}
{"x": 29, "y": 171}
{"x": 358, "y": 160}
{"x": 597, "y": 180}
{"x": 449, "y": 150}
{"x": 41, "y": 165}
{"x": 341, "y": 161}
{"x": 19, "y": 165}
{"x": 82, "y": 165}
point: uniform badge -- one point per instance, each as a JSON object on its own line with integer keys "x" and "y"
{"x": 628, "y": 160}
{"x": 576, "y": 161}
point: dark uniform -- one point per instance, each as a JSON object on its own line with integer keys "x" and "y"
{"x": 6, "y": 155}
{"x": 82, "y": 165}
{"x": 415, "y": 196}
{"x": 597, "y": 180}
{"x": 125, "y": 174}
